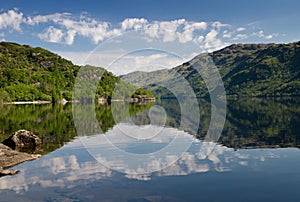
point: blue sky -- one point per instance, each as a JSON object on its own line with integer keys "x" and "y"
{"x": 73, "y": 27}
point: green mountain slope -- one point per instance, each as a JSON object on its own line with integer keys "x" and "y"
{"x": 246, "y": 70}
{"x": 28, "y": 74}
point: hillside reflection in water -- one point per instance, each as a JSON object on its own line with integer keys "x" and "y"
{"x": 244, "y": 164}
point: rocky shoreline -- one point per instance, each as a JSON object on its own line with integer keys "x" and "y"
{"x": 26, "y": 102}
{"x": 10, "y": 151}
{"x": 100, "y": 101}
{"x": 10, "y": 158}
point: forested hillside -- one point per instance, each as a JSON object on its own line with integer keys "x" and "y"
{"x": 28, "y": 74}
{"x": 246, "y": 70}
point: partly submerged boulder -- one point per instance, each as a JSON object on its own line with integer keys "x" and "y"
{"x": 23, "y": 139}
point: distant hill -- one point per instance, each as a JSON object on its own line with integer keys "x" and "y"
{"x": 28, "y": 74}
{"x": 246, "y": 70}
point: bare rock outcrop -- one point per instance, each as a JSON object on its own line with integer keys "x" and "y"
{"x": 10, "y": 157}
{"x": 23, "y": 140}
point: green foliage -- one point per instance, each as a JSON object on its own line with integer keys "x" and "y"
{"x": 260, "y": 70}
{"x": 141, "y": 92}
{"x": 28, "y": 74}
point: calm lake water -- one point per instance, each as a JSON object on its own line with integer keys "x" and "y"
{"x": 257, "y": 157}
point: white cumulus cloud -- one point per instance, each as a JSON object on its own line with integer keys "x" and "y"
{"x": 69, "y": 38}
{"x": 71, "y": 27}
{"x": 66, "y": 27}
{"x": 227, "y": 34}
{"x": 269, "y": 36}
{"x": 52, "y": 34}
{"x": 134, "y": 23}
{"x": 168, "y": 29}
{"x": 240, "y": 37}
{"x": 11, "y": 19}
{"x": 219, "y": 25}
{"x": 261, "y": 34}
{"x": 240, "y": 29}
{"x": 38, "y": 19}
{"x": 211, "y": 41}
{"x": 189, "y": 29}
{"x": 181, "y": 30}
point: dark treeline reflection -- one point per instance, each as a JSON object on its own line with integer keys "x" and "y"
{"x": 252, "y": 122}
{"x": 261, "y": 122}
{"x": 54, "y": 123}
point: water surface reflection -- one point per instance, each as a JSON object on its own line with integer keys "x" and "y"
{"x": 257, "y": 158}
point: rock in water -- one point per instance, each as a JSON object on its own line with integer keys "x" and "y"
{"x": 23, "y": 139}
{"x": 8, "y": 172}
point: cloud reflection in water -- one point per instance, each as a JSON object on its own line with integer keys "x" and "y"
{"x": 71, "y": 165}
